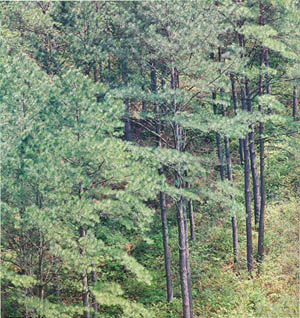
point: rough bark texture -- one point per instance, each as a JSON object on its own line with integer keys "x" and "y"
{"x": 255, "y": 178}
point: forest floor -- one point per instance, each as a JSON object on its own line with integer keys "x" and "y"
{"x": 221, "y": 289}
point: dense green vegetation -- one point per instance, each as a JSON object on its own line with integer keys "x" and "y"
{"x": 150, "y": 159}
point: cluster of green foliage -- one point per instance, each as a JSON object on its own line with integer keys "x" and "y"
{"x": 80, "y": 194}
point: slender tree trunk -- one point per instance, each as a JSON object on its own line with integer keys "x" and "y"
{"x": 235, "y": 239}
{"x": 191, "y": 215}
{"x": 230, "y": 178}
{"x": 128, "y": 135}
{"x": 248, "y": 207}
{"x": 233, "y": 91}
{"x": 162, "y": 196}
{"x": 261, "y": 230}
{"x": 185, "y": 279}
{"x": 247, "y": 197}
{"x": 255, "y": 178}
{"x": 183, "y": 260}
{"x": 295, "y": 102}
{"x": 188, "y": 266}
{"x": 219, "y": 145}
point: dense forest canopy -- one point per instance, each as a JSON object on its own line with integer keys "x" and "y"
{"x": 150, "y": 158}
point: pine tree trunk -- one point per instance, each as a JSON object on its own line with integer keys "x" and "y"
{"x": 188, "y": 266}
{"x": 248, "y": 208}
{"x": 230, "y": 178}
{"x": 219, "y": 145}
{"x": 233, "y": 91}
{"x": 255, "y": 179}
{"x": 235, "y": 240}
{"x": 162, "y": 196}
{"x": 295, "y": 103}
{"x": 185, "y": 279}
{"x": 191, "y": 216}
{"x": 247, "y": 196}
{"x": 183, "y": 260}
{"x": 261, "y": 230}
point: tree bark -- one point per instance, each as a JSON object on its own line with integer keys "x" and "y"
{"x": 219, "y": 145}
{"x": 261, "y": 230}
{"x": 183, "y": 260}
{"x": 233, "y": 91}
{"x": 295, "y": 103}
{"x": 185, "y": 279}
{"x": 247, "y": 196}
{"x": 248, "y": 207}
{"x": 162, "y": 195}
{"x": 188, "y": 266}
{"x": 191, "y": 216}
{"x": 230, "y": 178}
{"x": 255, "y": 179}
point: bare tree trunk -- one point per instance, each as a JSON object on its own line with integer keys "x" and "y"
{"x": 188, "y": 266}
{"x": 162, "y": 196}
{"x": 185, "y": 279}
{"x": 183, "y": 260}
{"x": 219, "y": 145}
{"x": 295, "y": 103}
{"x": 247, "y": 197}
{"x": 191, "y": 216}
{"x": 255, "y": 179}
{"x": 261, "y": 230}
{"x": 230, "y": 178}
{"x": 248, "y": 207}
{"x": 233, "y": 90}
